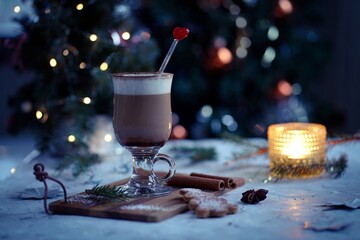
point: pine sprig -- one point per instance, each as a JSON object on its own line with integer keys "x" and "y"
{"x": 108, "y": 191}
{"x": 280, "y": 171}
{"x": 334, "y": 168}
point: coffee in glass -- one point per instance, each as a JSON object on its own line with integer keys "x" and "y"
{"x": 142, "y": 123}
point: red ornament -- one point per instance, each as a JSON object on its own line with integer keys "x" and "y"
{"x": 180, "y": 33}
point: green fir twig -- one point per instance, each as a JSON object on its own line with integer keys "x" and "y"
{"x": 334, "y": 168}
{"x": 108, "y": 191}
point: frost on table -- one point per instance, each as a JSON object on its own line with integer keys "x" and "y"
{"x": 143, "y": 207}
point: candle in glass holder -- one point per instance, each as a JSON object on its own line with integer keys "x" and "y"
{"x": 297, "y": 150}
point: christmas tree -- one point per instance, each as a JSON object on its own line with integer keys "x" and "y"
{"x": 246, "y": 63}
{"x": 71, "y": 46}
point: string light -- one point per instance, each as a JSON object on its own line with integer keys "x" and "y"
{"x": 39, "y": 114}
{"x": 125, "y": 35}
{"x": 87, "y": 100}
{"x": 80, "y": 6}
{"x": 17, "y": 9}
{"x": 65, "y": 52}
{"x": 82, "y": 65}
{"x": 104, "y": 66}
{"x": 93, "y": 37}
{"x": 108, "y": 137}
{"x": 53, "y": 62}
{"x": 71, "y": 138}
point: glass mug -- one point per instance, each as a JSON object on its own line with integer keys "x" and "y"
{"x": 142, "y": 123}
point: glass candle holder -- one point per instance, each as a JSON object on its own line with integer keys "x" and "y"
{"x": 297, "y": 150}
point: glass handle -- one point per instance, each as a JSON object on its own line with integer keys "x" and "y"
{"x": 170, "y": 162}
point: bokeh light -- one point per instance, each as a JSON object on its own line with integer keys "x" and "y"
{"x": 179, "y": 132}
{"x": 296, "y": 89}
{"x": 273, "y": 33}
{"x": 269, "y": 55}
{"x": 65, "y": 52}
{"x": 284, "y": 88}
{"x": 116, "y": 38}
{"x": 206, "y": 111}
{"x": 126, "y": 35}
{"x": 241, "y": 22}
{"x": 38, "y": 114}
{"x": 53, "y": 62}
{"x": 82, "y": 65}
{"x": 17, "y": 9}
{"x": 104, "y": 66}
{"x": 285, "y": 6}
{"x": 108, "y": 137}
{"x": 87, "y": 100}
{"x": 71, "y": 138}
{"x": 224, "y": 55}
{"x": 93, "y": 37}
{"x": 241, "y": 52}
{"x": 80, "y": 6}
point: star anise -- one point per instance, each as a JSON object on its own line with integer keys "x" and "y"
{"x": 251, "y": 196}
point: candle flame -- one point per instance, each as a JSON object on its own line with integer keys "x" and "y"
{"x": 296, "y": 148}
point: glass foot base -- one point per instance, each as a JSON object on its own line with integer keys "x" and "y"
{"x": 145, "y": 191}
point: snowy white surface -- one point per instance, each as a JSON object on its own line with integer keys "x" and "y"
{"x": 281, "y": 216}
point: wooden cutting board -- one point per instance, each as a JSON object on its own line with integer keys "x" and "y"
{"x": 137, "y": 209}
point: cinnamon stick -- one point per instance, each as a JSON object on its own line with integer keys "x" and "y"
{"x": 228, "y": 181}
{"x": 237, "y": 182}
{"x": 186, "y": 181}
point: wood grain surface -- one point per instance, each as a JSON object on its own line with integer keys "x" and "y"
{"x": 153, "y": 209}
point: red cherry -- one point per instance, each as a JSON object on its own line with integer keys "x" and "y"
{"x": 180, "y": 33}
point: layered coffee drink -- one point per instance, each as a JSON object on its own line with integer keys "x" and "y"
{"x": 142, "y": 108}
{"x": 142, "y": 125}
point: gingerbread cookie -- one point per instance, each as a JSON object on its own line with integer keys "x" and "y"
{"x": 190, "y": 193}
{"x": 206, "y": 204}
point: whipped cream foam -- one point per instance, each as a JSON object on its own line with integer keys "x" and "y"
{"x": 142, "y": 83}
